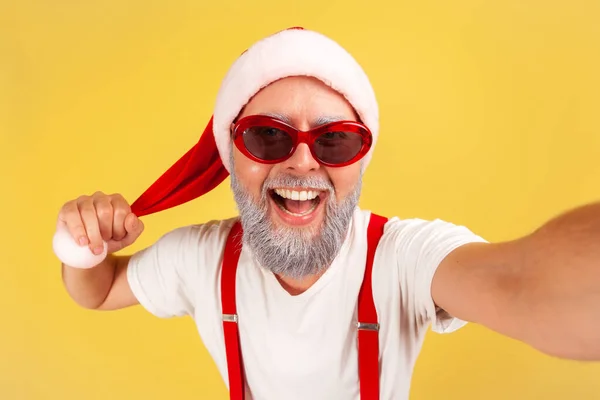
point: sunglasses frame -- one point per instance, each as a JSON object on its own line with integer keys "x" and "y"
{"x": 298, "y": 136}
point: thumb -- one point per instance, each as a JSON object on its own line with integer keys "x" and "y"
{"x": 134, "y": 227}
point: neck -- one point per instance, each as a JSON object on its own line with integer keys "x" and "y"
{"x": 296, "y": 286}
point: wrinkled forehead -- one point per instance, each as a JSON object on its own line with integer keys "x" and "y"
{"x": 291, "y": 119}
{"x": 300, "y": 100}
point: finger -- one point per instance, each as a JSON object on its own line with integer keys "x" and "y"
{"x": 121, "y": 210}
{"x": 104, "y": 211}
{"x": 134, "y": 227}
{"x": 70, "y": 217}
{"x": 90, "y": 221}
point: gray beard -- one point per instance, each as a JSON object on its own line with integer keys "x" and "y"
{"x": 288, "y": 251}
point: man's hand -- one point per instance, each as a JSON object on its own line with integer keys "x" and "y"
{"x": 90, "y": 221}
{"x": 542, "y": 289}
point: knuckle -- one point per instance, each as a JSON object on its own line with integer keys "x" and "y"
{"x": 85, "y": 204}
{"x": 102, "y": 205}
{"x": 82, "y": 199}
{"x": 69, "y": 214}
{"x": 68, "y": 208}
{"x": 117, "y": 198}
{"x": 103, "y": 211}
{"x": 121, "y": 212}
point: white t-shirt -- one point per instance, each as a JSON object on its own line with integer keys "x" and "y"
{"x": 305, "y": 346}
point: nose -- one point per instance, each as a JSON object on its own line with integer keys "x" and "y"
{"x": 301, "y": 161}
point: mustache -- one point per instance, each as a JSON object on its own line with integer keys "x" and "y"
{"x": 289, "y": 180}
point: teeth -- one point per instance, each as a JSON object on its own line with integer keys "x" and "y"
{"x": 297, "y": 195}
{"x": 296, "y": 214}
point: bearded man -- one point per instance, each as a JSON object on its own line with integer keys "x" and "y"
{"x": 305, "y": 295}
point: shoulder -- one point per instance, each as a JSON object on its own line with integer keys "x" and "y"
{"x": 409, "y": 235}
{"x": 168, "y": 275}
{"x": 194, "y": 235}
{"x": 186, "y": 247}
{"x": 417, "y": 229}
{"x": 415, "y": 248}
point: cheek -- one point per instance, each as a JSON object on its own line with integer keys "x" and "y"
{"x": 249, "y": 173}
{"x": 344, "y": 180}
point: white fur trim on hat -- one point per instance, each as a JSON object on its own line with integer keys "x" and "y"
{"x": 292, "y": 52}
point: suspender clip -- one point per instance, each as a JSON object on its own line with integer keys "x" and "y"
{"x": 230, "y": 318}
{"x": 366, "y": 326}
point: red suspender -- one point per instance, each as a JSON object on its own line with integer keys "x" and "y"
{"x": 368, "y": 326}
{"x": 233, "y": 248}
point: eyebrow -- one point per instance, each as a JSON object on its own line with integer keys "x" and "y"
{"x": 280, "y": 117}
{"x": 321, "y": 120}
{"x": 324, "y": 119}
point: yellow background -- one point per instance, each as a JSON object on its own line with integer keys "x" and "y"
{"x": 489, "y": 118}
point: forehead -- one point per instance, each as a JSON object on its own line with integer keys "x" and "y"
{"x": 300, "y": 98}
{"x": 316, "y": 121}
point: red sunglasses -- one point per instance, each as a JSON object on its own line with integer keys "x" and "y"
{"x": 269, "y": 141}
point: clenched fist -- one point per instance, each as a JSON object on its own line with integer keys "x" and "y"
{"x": 98, "y": 225}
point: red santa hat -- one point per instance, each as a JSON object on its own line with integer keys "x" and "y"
{"x": 292, "y": 52}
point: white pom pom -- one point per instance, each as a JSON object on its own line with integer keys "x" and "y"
{"x": 72, "y": 254}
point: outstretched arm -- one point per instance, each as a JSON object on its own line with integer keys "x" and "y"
{"x": 542, "y": 289}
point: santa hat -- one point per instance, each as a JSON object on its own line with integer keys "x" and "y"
{"x": 292, "y": 52}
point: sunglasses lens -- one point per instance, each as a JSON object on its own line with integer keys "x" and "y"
{"x": 267, "y": 143}
{"x": 338, "y": 147}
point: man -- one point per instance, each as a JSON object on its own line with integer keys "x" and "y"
{"x": 307, "y": 296}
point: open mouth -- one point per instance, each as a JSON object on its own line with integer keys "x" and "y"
{"x": 297, "y": 203}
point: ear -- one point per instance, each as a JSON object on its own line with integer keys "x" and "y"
{"x": 231, "y": 127}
